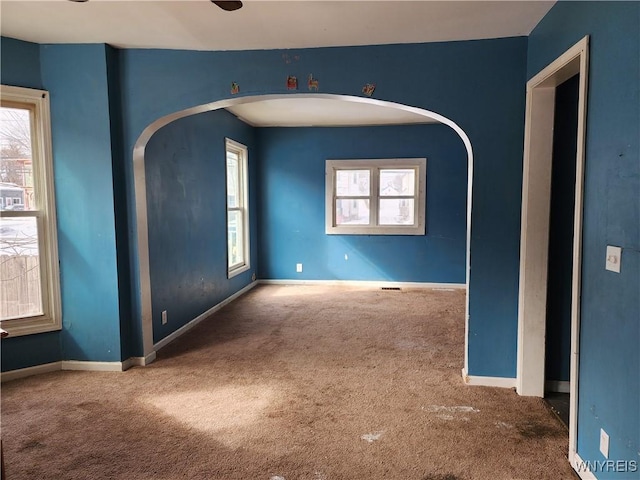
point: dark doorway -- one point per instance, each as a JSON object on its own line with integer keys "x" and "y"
{"x": 559, "y": 281}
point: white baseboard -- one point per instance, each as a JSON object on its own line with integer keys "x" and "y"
{"x": 27, "y": 372}
{"x": 501, "y": 382}
{"x": 63, "y": 365}
{"x": 578, "y": 465}
{"x": 185, "y": 328}
{"x": 92, "y": 366}
{"x": 559, "y": 386}
{"x": 138, "y": 361}
{"x": 368, "y": 283}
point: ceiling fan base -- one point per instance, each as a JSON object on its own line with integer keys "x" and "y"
{"x": 228, "y": 6}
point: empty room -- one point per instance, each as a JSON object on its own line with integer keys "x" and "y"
{"x": 320, "y": 240}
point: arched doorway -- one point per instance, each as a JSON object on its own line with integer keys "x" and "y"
{"x": 141, "y": 197}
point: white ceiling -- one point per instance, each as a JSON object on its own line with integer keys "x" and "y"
{"x": 322, "y": 112}
{"x": 264, "y": 24}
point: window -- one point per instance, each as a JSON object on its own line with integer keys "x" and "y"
{"x": 376, "y": 197}
{"x": 237, "y": 209}
{"x": 29, "y": 278}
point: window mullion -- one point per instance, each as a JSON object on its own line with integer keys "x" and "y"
{"x": 375, "y": 196}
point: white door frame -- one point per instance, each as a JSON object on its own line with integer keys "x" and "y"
{"x": 534, "y": 246}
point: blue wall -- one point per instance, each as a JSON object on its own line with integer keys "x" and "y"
{"x": 21, "y": 67}
{"x": 292, "y": 206}
{"x": 478, "y": 84}
{"x": 120, "y": 202}
{"x": 20, "y": 63}
{"x": 609, "y": 383}
{"x": 76, "y": 78}
{"x": 185, "y": 165}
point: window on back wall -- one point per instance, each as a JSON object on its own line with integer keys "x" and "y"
{"x": 29, "y": 278}
{"x": 376, "y": 197}
{"x": 237, "y": 208}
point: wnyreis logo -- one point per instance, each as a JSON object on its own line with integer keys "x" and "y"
{"x": 611, "y": 466}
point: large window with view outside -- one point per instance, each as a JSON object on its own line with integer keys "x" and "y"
{"x": 376, "y": 197}
{"x": 237, "y": 208}
{"x": 29, "y": 280}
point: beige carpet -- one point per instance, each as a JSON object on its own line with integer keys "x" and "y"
{"x": 294, "y": 383}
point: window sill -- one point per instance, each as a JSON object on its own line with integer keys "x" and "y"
{"x": 365, "y": 230}
{"x": 237, "y": 270}
{"x": 19, "y": 327}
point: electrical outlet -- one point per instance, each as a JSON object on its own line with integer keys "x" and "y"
{"x": 299, "y": 267}
{"x": 604, "y": 443}
{"x": 614, "y": 255}
{"x": 164, "y": 317}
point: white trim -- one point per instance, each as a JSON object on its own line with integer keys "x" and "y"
{"x": 29, "y": 371}
{"x": 535, "y": 226}
{"x": 373, "y": 166}
{"x": 141, "y": 196}
{"x": 138, "y": 361}
{"x": 142, "y": 230}
{"x": 92, "y": 366}
{"x": 559, "y": 386}
{"x": 185, "y": 328}
{"x": 575, "y": 462}
{"x": 243, "y": 204}
{"x": 368, "y": 283}
{"x": 68, "y": 365}
{"x": 500, "y": 382}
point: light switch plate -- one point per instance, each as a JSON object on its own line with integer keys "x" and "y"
{"x": 614, "y": 255}
{"x": 604, "y": 443}
{"x": 299, "y": 267}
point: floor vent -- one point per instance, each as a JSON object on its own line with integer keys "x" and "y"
{"x": 397, "y": 289}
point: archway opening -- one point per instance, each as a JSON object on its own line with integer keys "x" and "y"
{"x": 141, "y": 188}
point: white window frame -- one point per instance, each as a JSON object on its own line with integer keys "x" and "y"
{"x": 243, "y": 205}
{"x": 45, "y": 214}
{"x": 374, "y": 167}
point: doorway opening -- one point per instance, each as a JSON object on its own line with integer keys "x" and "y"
{"x": 550, "y": 257}
{"x": 560, "y": 262}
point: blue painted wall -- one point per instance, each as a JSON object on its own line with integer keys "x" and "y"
{"x": 292, "y": 206}
{"x": 20, "y": 63}
{"x": 120, "y": 202}
{"x": 478, "y": 84}
{"x": 609, "y": 387}
{"x": 563, "y": 179}
{"x": 21, "y": 67}
{"x": 185, "y": 165}
{"x": 76, "y": 77}
{"x": 81, "y": 140}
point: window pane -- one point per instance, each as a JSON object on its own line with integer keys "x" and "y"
{"x": 233, "y": 180}
{"x": 234, "y": 238}
{"x": 352, "y": 212}
{"x": 397, "y": 182}
{"x": 20, "y": 294}
{"x": 352, "y": 183}
{"x": 396, "y": 211}
{"x": 16, "y": 167}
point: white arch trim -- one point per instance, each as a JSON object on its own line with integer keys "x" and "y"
{"x": 141, "y": 193}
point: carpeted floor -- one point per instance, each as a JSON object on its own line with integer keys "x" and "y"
{"x": 294, "y": 383}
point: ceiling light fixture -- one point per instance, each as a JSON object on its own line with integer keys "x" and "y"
{"x": 224, "y": 5}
